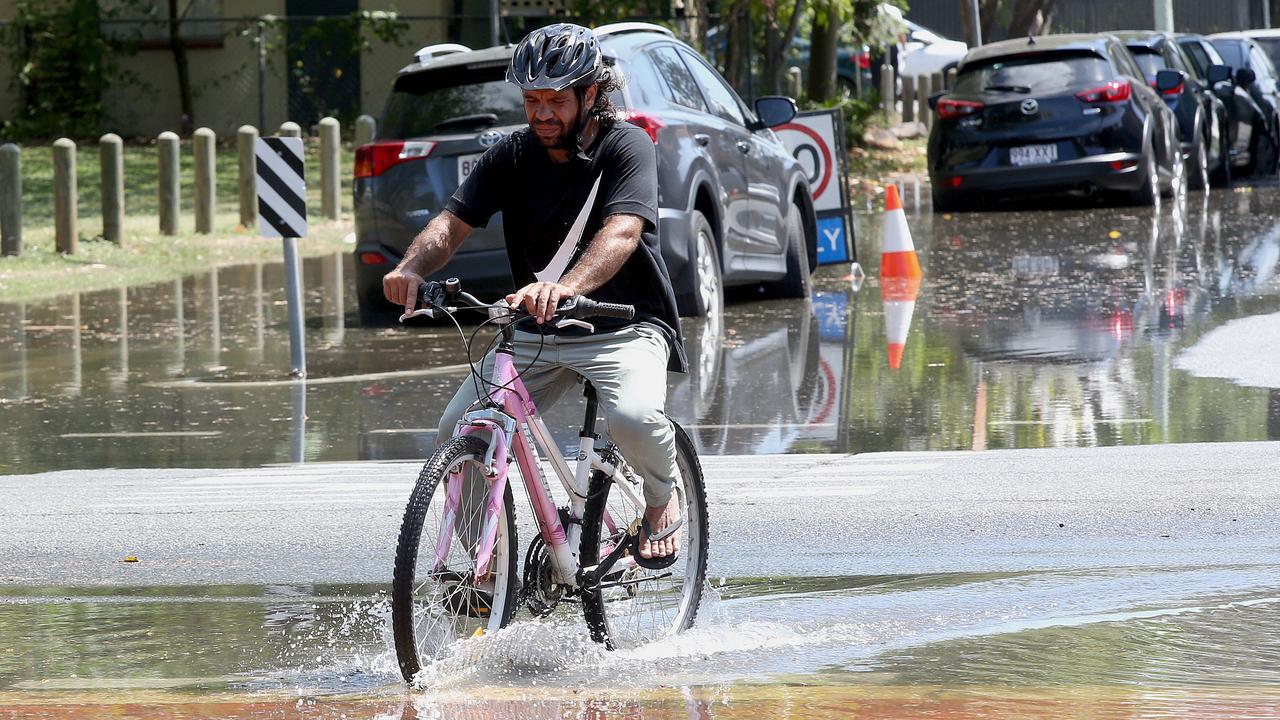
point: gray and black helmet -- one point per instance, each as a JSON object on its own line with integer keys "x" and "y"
{"x": 556, "y": 57}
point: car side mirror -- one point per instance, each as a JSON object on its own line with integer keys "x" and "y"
{"x": 1167, "y": 80}
{"x": 774, "y": 110}
{"x": 1217, "y": 74}
{"x": 934, "y": 98}
{"x": 1245, "y": 77}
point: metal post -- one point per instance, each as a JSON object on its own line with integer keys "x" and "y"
{"x": 111, "y": 149}
{"x": 293, "y": 292}
{"x": 1164, "y": 15}
{"x": 262, "y": 75}
{"x": 248, "y": 181}
{"x": 977, "y": 22}
{"x": 298, "y": 443}
{"x": 10, "y": 200}
{"x": 205, "y": 142}
{"x": 122, "y": 309}
{"x": 167, "y": 145}
{"x": 66, "y": 237}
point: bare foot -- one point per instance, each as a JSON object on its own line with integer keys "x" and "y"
{"x": 659, "y": 519}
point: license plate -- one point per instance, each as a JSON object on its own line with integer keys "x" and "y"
{"x": 466, "y": 163}
{"x": 1026, "y": 266}
{"x": 1033, "y": 154}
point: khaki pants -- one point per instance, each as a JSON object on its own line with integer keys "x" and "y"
{"x": 628, "y": 368}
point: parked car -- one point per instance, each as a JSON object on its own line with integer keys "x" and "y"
{"x": 1255, "y": 73}
{"x": 923, "y": 51}
{"x": 1056, "y": 113}
{"x": 735, "y": 207}
{"x": 1201, "y": 114}
{"x": 1269, "y": 40}
{"x": 1243, "y": 112}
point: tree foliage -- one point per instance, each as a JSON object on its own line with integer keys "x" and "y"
{"x": 1018, "y": 18}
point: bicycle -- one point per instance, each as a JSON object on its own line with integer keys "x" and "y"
{"x": 456, "y": 565}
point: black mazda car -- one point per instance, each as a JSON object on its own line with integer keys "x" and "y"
{"x": 1060, "y": 113}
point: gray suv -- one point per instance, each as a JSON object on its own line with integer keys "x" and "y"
{"x": 735, "y": 207}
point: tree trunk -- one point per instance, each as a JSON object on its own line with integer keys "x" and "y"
{"x": 822, "y": 50}
{"x": 1031, "y": 17}
{"x": 738, "y": 46}
{"x": 180, "y": 60}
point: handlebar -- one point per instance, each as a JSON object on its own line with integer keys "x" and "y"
{"x": 450, "y": 294}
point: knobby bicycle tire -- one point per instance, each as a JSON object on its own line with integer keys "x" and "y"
{"x": 415, "y": 514}
{"x": 595, "y": 604}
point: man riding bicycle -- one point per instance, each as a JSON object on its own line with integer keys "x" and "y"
{"x": 578, "y": 194}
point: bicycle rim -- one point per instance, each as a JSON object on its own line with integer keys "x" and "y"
{"x": 635, "y": 605}
{"x": 434, "y": 607}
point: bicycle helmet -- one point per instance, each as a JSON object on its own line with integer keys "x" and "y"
{"x": 556, "y": 57}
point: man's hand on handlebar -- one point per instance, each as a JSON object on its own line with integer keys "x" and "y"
{"x": 541, "y": 299}
{"x": 401, "y": 288}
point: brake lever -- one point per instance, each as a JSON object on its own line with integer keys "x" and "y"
{"x": 427, "y": 311}
{"x": 574, "y": 322}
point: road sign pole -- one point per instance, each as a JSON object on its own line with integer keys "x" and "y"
{"x": 293, "y": 292}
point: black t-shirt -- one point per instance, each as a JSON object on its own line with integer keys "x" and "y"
{"x": 540, "y": 199}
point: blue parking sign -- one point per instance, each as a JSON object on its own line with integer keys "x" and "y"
{"x": 833, "y": 239}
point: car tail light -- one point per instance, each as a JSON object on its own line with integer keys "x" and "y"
{"x": 376, "y": 158}
{"x": 1114, "y": 91}
{"x": 949, "y": 109}
{"x": 864, "y": 60}
{"x": 373, "y": 258}
{"x": 647, "y": 123}
{"x": 957, "y": 181}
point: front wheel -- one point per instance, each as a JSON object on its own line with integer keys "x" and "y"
{"x": 798, "y": 282}
{"x": 436, "y": 600}
{"x": 634, "y": 605}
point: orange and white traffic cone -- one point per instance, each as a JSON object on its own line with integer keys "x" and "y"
{"x": 900, "y": 275}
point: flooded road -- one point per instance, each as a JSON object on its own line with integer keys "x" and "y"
{"x": 1049, "y": 329}
{"x": 1033, "y": 329}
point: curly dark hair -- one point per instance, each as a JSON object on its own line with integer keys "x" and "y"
{"x": 604, "y": 111}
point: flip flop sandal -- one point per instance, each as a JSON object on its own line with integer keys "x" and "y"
{"x": 654, "y": 563}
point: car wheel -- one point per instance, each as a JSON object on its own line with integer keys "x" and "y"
{"x": 1148, "y": 193}
{"x": 1198, "y": 171}
{"x": 1177, "y": 172}
{"x": 797, "y": 283}
{"x": 1262, "y": 154}
{"x": 704, "y": 297}
{"x": 1221, "y": 175}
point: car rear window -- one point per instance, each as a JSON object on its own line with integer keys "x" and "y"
{"x": 1039, "y": 73}
{"x": 459, "y": 97}
{"x": 1150, "y": 62}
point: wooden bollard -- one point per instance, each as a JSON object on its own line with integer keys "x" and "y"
{"x": 922, "y": 97}
{"x": 167, "y": 145}
{"x": 205, "y": 143}
{"x": 886, "y": 89}
{"x": 111, "y": 151}
{"x": 935, "y": 83}
{"x": 289, "y": 129}
{"x": 10, "y": 200}
{"x": 793, "y": 82}
{"x": 951, "y": 78}
{"x": 908, "y": 98}
{"x": 330, "y": 179}
{"x": 64, "y": 196}
{"x": 246, "y": 137}
{"x": 366, "y": 130}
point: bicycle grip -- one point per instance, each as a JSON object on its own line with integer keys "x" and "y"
{"x": 604, "y": 309}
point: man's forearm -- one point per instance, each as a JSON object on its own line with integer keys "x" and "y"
{"x": 433, "y": 247}
{"x": 606, "y": 254}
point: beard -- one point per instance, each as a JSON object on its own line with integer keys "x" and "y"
{"x": 559, "y": 141}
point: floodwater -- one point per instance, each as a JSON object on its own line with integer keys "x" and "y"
{"x": 1033, "y": 329}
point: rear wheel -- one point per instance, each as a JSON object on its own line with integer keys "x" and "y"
{"x": 798, "y": 282}
{"x": 433, "y": 607}
{"x": 1148, "y": 193}
{"x": 635, "y": 605}
{"x": 1263, "y": 152}
{"x": 1221, "y": 175}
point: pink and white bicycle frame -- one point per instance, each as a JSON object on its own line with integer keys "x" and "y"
{"x": 515, "y": 432}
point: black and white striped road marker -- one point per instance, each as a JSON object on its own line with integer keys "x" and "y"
{"x": 282, "y": 187}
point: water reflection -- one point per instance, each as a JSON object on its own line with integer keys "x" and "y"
{"x": 1035, "y": 329}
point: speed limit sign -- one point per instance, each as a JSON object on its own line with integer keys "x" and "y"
{"x": 813, "y": 139}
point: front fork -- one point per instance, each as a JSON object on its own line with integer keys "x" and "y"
{"x": 495, "y": 464}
